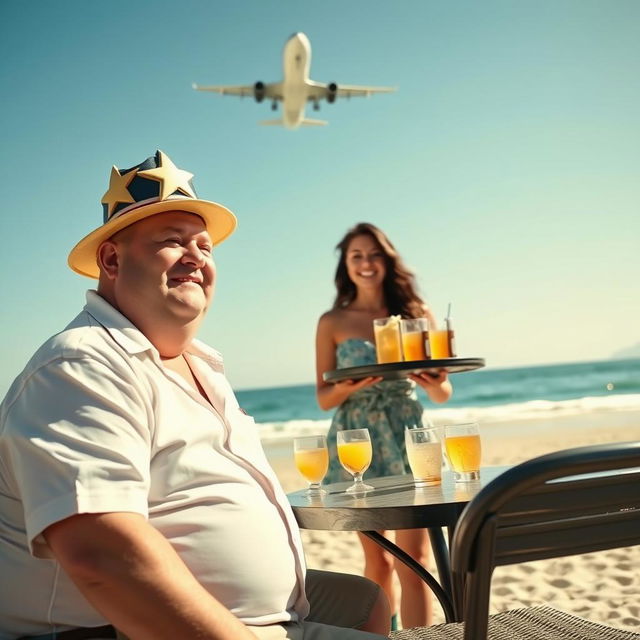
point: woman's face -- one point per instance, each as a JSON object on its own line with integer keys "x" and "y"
{"x": 365, "y": 262}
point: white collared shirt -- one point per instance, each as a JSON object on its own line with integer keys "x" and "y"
{"x": 95, "y": 423}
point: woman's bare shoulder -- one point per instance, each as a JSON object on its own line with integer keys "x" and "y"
{"x": 332, "y": 316}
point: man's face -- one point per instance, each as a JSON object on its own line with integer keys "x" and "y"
{"x": 165, "y": 268}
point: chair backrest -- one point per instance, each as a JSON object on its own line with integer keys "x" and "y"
{"x": 565, "y": 503}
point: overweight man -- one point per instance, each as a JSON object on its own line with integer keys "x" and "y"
{"x": 134, "y": 492}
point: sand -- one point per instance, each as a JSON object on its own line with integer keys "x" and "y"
{"x": 603, "y": 586}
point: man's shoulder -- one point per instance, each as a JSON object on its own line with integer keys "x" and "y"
{"x": 83, "y": 337}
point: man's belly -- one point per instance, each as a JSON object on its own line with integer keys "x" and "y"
{"x": 241, "y": 554}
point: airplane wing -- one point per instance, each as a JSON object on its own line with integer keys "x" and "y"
{"x": 261, "y": 90}
{"x": 318, "y": 91}
{"x": 350, "y": 91}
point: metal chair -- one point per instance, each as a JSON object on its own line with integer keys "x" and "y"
{"x": 565, "y": 503}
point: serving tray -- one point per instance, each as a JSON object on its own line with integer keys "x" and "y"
{"x": 398, "y": 370}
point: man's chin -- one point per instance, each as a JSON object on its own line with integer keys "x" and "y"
{"x": 189, "y": 307}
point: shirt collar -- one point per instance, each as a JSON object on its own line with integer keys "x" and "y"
{"x": 131, "y": 339}
{"x": 201, "y": 350}
{"x": 120, "y": 328}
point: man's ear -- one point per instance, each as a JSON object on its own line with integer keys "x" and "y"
{"x": 108, "y": 259}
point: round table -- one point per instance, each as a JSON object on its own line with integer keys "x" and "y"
{"x": 396, "y": 503}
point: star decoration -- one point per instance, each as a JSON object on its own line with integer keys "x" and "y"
{"x": 117, "y": 191}
{"x": 170, "y": 177}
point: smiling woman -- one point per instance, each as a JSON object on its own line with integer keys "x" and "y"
{"x": 372, "y": 282}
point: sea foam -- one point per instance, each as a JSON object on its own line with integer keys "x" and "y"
{"x": 538, "y": 410}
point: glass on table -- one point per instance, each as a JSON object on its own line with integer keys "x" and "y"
{"x": 424, "y": 451}
{"x": 354, "y": 453}
{"x": 386, "y": 332}
{"x": 413, "y": 332}
{"x": 462, "y": 444}
{"x": 312, "y": 461}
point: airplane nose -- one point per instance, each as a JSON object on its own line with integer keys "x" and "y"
{"x": 300, "y": 37}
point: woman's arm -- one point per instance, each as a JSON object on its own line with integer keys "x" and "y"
{"x": 437, "y": 386}
{"x": 332, "y": 395}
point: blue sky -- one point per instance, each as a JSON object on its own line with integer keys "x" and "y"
{"x": 505, "y": 169}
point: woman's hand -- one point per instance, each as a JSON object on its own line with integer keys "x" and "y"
{"x": 331, "y": 395}
{"x": 351, "y": 386}
{"x": 435, "y": 383}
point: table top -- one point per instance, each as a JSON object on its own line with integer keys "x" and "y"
{"x": 395, "y": 503}
{"x": 398, "y": 370}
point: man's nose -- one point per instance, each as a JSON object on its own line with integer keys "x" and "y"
{"x": 194, "y": 255}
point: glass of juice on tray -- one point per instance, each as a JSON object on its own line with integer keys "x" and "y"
{"x": 387, "y": 336}
{"x": 424, "y": 451}
{"x": 312, "y": 461}
{"x": 442, "y": 341}
{"x": 413, "y": 331}
{"x": 462, "y": 444}
{"x": 354, "y": 453}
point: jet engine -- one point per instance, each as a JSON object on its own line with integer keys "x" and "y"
{"x": 332, "y": 91}
{"x": 258, "y": 91}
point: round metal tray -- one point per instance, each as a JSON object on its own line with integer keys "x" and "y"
{"x": 397, "y": 370}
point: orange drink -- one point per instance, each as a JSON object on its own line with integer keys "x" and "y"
{"x": 355, "y": 457}
{"x": 312, "y": 463}
{"x": 442, "y": 341}
{"x": 413, "y": 347}
{"x": 354, "y": 453}
{"x": 462, "y": 444}
{"x": 439, "y": 343}
{"x": 387, "y": 336}
{"x": 312, "y": 460}
{"x": 464, "y": 452}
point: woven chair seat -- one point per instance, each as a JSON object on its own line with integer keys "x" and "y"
{"x": 531, "y": 623}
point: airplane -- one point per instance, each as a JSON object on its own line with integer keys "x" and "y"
{"x": 296, "y": 89}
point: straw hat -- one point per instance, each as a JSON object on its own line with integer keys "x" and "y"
{"x": 153, "y": 186}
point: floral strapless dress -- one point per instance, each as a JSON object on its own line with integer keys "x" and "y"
{"x": 385, "y": 409}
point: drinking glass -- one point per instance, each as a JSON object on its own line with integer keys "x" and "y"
{"x": 413, "y": 332}
{"x": 386, "y": 332}
{"x": 442, "y": 341}
{"x": 312, "y": 460}
{"x": 462, "y": 444}
{"x": 424, "y": 451}
{"x": 354, "y": 453}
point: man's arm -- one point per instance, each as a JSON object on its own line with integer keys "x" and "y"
{"x": 131, "y": 574}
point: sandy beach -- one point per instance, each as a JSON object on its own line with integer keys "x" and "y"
{"x": 603, "y": 587}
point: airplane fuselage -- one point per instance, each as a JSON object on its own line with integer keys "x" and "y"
{"x": 296, "y": 64}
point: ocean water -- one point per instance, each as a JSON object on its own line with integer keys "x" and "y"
{"x": 486, "y": 394}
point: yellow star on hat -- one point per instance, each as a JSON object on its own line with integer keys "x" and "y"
{"x": 117, "y": 191}
{"x": 170, "y": 177}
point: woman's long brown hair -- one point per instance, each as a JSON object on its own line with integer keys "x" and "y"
{"x": 399, "y": 287}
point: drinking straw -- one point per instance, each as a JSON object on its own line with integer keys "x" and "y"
{"x": 448, "y": 311}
